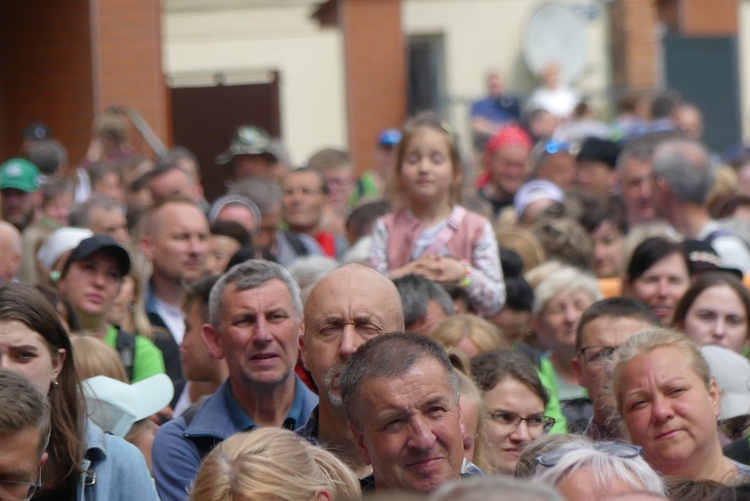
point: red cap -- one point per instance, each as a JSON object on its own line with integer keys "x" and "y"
{"x": 508, "y": 135}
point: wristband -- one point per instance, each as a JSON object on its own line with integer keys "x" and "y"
{"x": 467, "y": 274}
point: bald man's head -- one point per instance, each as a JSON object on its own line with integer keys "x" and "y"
{"x": 347, "y": 307}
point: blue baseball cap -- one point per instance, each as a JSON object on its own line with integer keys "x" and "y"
{"x": 389, "y": 137}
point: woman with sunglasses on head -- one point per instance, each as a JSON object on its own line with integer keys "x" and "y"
{"x": 515, "y": 401}
{"x": 583, "y": 470}
{"x": 84, "y": 462}
{"x": 669, "y": 404}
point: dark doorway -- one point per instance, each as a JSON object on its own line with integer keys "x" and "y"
{"x": 705, "y": 71}
{"x": 205, "y": 118}
{"x": 426, "y": 74}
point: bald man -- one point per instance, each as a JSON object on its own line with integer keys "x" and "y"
{"x": 10, "y": 252}
{"x": 346, "y": 308}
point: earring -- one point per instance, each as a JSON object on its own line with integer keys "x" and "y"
{"x": 131, "y": 308}
{"x": 54, "y": 382}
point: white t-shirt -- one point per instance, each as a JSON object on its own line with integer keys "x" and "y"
{"x": 173, "y": 317}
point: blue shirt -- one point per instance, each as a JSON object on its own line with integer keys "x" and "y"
{"x": 179, "y": 446}
{"x": 114, "y": 470}
{"x": 498, "y": 110}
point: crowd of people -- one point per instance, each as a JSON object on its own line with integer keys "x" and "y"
{"x": 572, "y": 322}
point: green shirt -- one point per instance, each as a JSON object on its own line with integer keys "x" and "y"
{"x": 147, "y": 359}
{"x": 547, "y": 376}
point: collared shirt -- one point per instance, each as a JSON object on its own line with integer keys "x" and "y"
{"x": 310, "y": 430}
{"x": 468, "y": 469}
{"x": 173, "y": 317}
{"x": 179, "y": 446}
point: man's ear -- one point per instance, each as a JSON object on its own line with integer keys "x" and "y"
{"x": 44, "y": 459}
{"x": 461, "y": 418}
{"x": 302, "y": 348}
{"x": 576, "y": 362}
{"x": 662, "y": 187}
{"x": 359, "y": 439}
{"x": 212, "y": 338}
{"x": 146, "y": 246}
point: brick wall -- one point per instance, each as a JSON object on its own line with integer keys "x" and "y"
{"x": 45, "y": 68}
{"x": 634, "y": 43}
{"x": 128, "y": 59}
{"x": 709, "y": 17}
{"x": 48, "y": 72}
{"x": 375, "y": 57}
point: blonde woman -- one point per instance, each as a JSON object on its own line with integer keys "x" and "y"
{"x": 470, "y": 334}
{"x": 272, "y": 464}
{"x": 94, "y": 357}
{"x": 669, "y": 404}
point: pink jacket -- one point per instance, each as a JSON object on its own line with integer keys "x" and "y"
{"x": 466, "y": 235}
{"x": 459, "y": 236}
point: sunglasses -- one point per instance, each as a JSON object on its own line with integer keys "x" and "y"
{"x": 551, "y": 146}
{"x": 626, "y": 451}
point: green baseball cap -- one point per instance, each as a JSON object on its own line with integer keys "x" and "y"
{"x": 19, "y": 174}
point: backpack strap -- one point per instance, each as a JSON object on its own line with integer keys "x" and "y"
{"x": 125, "y": 345}
{"x": 296, "y": 242}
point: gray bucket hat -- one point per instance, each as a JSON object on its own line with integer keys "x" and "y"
{"x": 247, "y": 140}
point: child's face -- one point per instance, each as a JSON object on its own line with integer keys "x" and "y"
{"x": 426, "y": 171}
{"x": 59, "y": 207}
{"x": 110, "y": 185}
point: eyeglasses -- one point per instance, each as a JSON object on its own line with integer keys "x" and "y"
{"x": 597, "y": 355}
{"x": 534, "y": 423}
{"x": 20, "y": 491}
{"x": 552, "y": 147}
{"x": 626, "y": 451}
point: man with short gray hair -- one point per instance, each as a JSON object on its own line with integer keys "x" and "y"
{"x": 255, "y": 321}
{"x": 103, "y": 215}
{"x": 24, "y": 432}
{"x": 400, "y": 395}
{"x": 684, "y": 178}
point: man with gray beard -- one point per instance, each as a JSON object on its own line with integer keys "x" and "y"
{"x": 349, "y": 306}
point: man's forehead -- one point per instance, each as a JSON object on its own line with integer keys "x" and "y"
{"x": 357, "y": 290}
{"x": 271, "y": 291}
{"x": 605, "y": 329}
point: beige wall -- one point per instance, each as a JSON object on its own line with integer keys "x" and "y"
{"x": 743, "y": 43}
{"x": 245, "y": 43}
{"x": 485, "y": 34}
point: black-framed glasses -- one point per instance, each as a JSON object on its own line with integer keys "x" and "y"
{"x": 20, "y": 491}
{"x": 627, "y": 451}
{"x": 598, "y": 355}
{"x": 534, "y": 423}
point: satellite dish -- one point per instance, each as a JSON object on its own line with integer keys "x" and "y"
{"x": 555, "y": 33}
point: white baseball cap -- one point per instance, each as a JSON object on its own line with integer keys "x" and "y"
{"x": 732, "y": 374}
{"x": 59, "y": 242}
{"x": 115, "y": 406}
